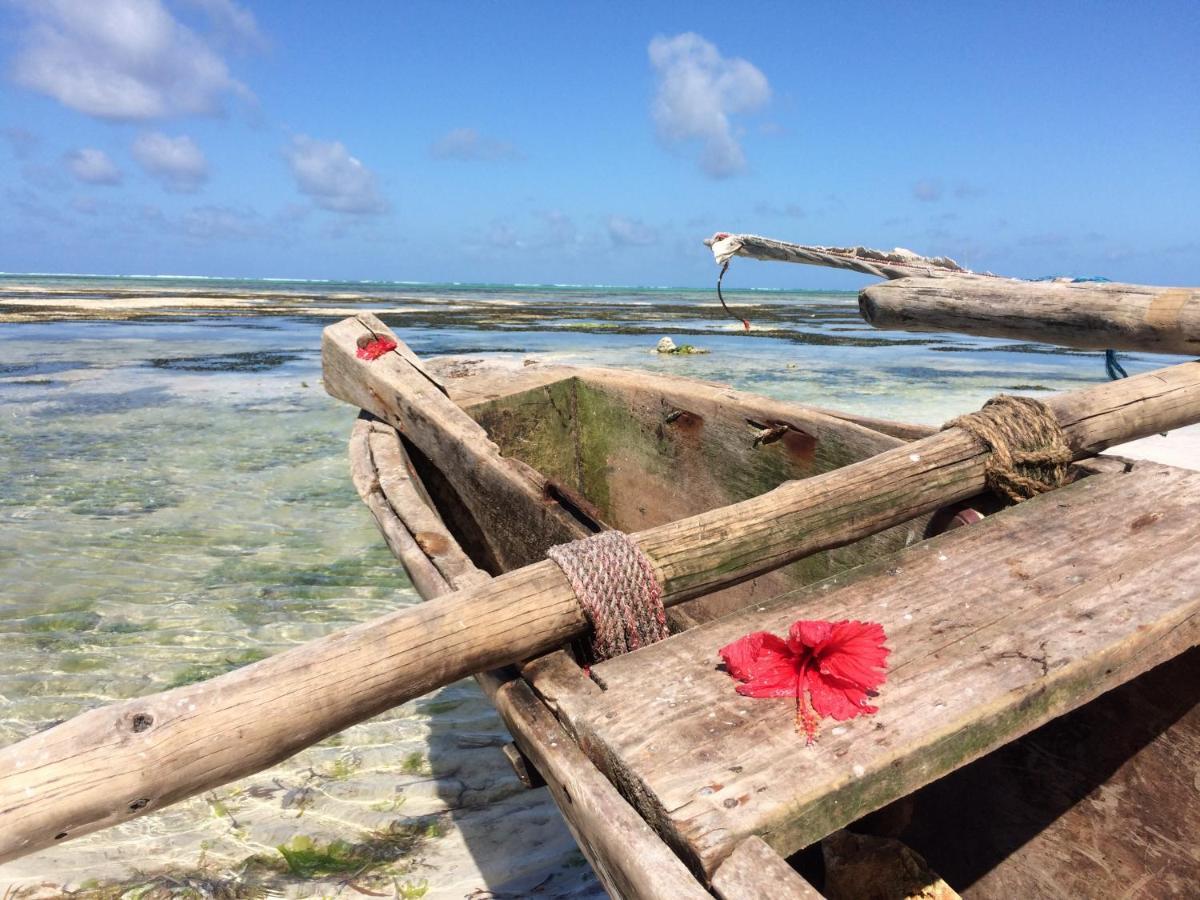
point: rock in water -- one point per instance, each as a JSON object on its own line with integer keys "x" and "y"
{"x": 665, "y": 345}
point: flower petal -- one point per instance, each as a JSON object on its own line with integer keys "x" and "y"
{"x": 807, "y": 633}
{"x": 854, "y": 652}
{"x": 372, "y": 350}
{"x": 765, "y": 663}
{"x": 840, "y": 699}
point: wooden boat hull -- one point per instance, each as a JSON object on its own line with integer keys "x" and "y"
{"x": 601, "y": 440}
{"x": 631, "y": 450}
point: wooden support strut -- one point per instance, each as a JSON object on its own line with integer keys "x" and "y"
{"x": 125, "y": 759}
{"x": 936, "y": 294}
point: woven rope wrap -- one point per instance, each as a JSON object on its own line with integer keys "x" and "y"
{"x": 1029, "y": 450}
{"x": 616, "y": 586}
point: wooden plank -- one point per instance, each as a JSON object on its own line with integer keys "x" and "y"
{"x": 400, "y": 487}
{"x": 754, "y": 871}
{"x": 629, "y": 859}
{"x": 492, "y": 487}
{"x": 1086, "y": 315}
{"x": 421, "y": 572}
{"x": 861, "y": 865}
{"x": 995, "y": 629}
{"x": 1101, "y": 802}
{"x": 111, "y": 764}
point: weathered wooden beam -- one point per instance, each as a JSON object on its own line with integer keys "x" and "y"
{"x": 898, "y": 263}
{"x": 1086, "y": 315}
{"x": 125, "y": 759}
{"x": 936, "y": 294}
{"x": 490, "y": 485}
{"x": 995, "y": 629}
{"x": 629, "y": 859}
{"x": 754, "y": 871}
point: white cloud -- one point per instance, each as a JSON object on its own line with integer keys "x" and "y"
{"x": 235, "y": 22}
{"x": 469, "y": 145}
{"x": 92, "y": 166}
{"x": 221, "y": 223}
{"x": 175, "y": 161}
{"x": 698, "y": 90}
{"x": 625, "y": 232}
{"x": 325, "y": 171}
{"x": 119, "y": 59}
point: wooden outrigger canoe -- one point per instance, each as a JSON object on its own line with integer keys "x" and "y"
{"x": 674, "y": 786}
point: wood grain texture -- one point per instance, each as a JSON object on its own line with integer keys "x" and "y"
{"x": 629, "y": 859}
{"x": 896, "y": 263}
{"x": 109, "y": 765}
{"x": 995, "y": 629}
{"x": 396, "y": 390}
{"x": 643, "y": 450}
{"x": 421, "y": 571}
{"x": 1087, "y": 315}
{"x": 1101, "y": 802}
{"x": 754, "y": 871}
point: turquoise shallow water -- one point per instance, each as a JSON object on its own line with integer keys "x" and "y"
{"x": 175, "y": 501}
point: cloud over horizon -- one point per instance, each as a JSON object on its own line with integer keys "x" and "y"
{"x": 234, "y": 23}
{"x": 468, "y": 145}
{"x": 92, "y": 166}
{"x": 626, "y": 232}
{"x": 120, "y": 60}
{"x": 176, "y": 162}
{"x": 698, "y": 90}
{"x": 335, "y": 180}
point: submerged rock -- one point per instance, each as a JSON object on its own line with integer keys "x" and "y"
{"x": 666, "y": 345}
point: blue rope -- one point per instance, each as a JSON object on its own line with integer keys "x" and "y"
{"x": 1113, "y": 367}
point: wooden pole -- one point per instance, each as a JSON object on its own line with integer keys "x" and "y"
{"x": 129, "y": 758}
{"x": 936, "y": 294}
{"x": 1086, "y": 315}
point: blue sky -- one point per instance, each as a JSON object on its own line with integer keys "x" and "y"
{"x": 595, "y": 142}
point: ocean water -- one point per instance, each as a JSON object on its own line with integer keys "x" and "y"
{"x": 175, "y": 502}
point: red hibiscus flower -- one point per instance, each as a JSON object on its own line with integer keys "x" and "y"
{"x": 374, "y": 349}
{"x": 831, "y": 668}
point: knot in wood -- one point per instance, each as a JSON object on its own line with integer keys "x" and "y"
{"x": 1029, "y": 451}
{"x": 616, "y": 587}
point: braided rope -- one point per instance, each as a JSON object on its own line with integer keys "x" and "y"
{"x": 1029, "y": 449}
{"x": 617, "y": 589}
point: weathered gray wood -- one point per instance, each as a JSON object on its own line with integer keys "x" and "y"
{"x": 643, "y": 449}
{"x": 421, "y": 572}
{"x": 1101, "y": 802}
{"x": 394, "y": 389}
{"x": 405, "y": 499}
{"x": 119, "y": 761}
{"x": 1087, "y": 315}
{"x": 629, "y": 859}
{"x": 754, "y": 871}
{"x": 995, "y": 629}
{"x": 896, "y": 263}
{"x": 936, "y": 294}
